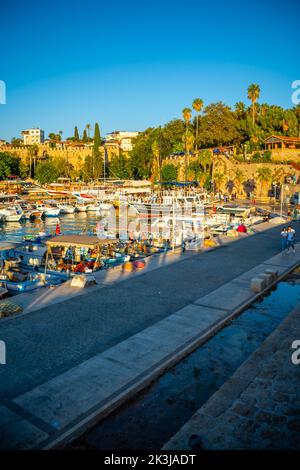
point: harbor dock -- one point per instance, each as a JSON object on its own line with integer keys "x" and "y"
{"x": 64, "y": 374}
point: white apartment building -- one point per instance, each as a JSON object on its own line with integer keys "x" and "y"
{"x": 123, "y": 138}
{"x": 33, "y": 136}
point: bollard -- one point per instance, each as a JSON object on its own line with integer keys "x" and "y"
{"x": 258, "y": 284}
{"x": 267, "y": 277}
{"x": 273, "y": 273}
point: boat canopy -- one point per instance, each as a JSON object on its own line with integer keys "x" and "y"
{"x": 78, "y": 241}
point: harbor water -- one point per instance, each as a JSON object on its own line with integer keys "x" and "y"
{"x": 170, "y": 401}
{"x": 81, "y": 223}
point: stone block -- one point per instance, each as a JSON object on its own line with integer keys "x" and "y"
{"x": 258, "y": 284}
{"x": 83, "y": 281}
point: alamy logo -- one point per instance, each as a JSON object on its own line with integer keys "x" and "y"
{"x": 2, "y": 92}
{"x": 2, "y": 352}
{"x": 296, "y": 93}
{"x": 296, "y": 354}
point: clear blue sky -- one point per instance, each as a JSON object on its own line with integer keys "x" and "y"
{"x": 134, "y": 64}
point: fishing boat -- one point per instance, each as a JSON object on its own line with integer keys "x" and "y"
{"x": 29, "y": 211}
{"x": 11, "y": 214}
{"x": 48, "y": 211}
{"x": 18, "y": 281}
{"x": 15, "y": 278}
{"x": 31, "y": 255}
{"x": 76, "y": 254}
{"x": 66, "y": 208}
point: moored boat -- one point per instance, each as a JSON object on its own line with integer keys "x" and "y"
{"x": 66, "y": 208}
{"x": 48, "y": 211}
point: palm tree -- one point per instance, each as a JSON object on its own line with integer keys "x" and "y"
{"x": 60, "y": 134}
{"x": 253, "y": 95}
{"x": 238, "y": 179}
{"x": 197, "y": 106}
{"x": 88, "y": 128}
{"x": 187, "y": 114}
{"x": 264, "y": 175}
{"x": 240, "y": 109}
{"x": 218, "y": 179}
{"x": 279, "y": 175}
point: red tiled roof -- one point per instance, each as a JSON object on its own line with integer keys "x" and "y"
{"x": 284, "y": 138}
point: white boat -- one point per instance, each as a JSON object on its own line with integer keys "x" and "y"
{"x": 49, "y": 211}
{"x": 11, "y": 214}
{"x": 66, "y": 208}
{"x": 101, "y": 208}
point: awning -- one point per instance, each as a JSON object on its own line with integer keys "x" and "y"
{"x": 78, "y": 241}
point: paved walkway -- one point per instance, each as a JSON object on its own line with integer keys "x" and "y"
{"x": 259, "y": 407}
{"x": 54, "y": 360}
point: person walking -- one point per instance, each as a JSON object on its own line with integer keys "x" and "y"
{"x": 283, "y": 235}
{"x": 291, "y": 234}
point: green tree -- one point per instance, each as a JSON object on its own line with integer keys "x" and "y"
{"x": 97, "y": 164}
{"x": 142, "y": 154}
{"x": 47, "y": 173}
{"x": 264, "y": 175}
{"x": 172, "y": 134}
{"x": 253, "y": 95}
{"x": 218, "y": 126}
{"x": 169, "y": 172}
{"x": 119, "y": 166}
{"x": 197, "y": 106}
{"x": 186, "y": 114}
{"x": 16, "y": 142}
{"x": 76, "y": 134}
{"x": 88, "y": 129}
{"x": 238, "y": 180}
{"x": 218, "y": 180}
{"x": 11, "y": 165}
{"x": 87, "y": 169}
{"x": 5, "y": 165}
{"x": 84, "y": 136}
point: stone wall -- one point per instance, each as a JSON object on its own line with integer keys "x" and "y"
{"x": 228, "y": 167}
{"x": 286, "y": 154}
{"x": 74, "y": 155}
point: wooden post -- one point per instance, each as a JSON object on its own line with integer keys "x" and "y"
{"x": 46, "y": 262}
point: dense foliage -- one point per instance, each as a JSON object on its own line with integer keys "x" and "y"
{"x": 11, "y": 165}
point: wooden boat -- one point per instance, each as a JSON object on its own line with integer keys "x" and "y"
{"x": 76, "y": 253}
{"x": 23, "y": 281}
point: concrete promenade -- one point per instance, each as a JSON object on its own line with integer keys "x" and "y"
{"x": 258, "y": 407}
{"x": 68, "y": 363}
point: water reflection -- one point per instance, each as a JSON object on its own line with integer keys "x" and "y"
{"x": 79, "y": 223}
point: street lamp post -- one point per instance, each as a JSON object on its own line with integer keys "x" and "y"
{"x": 281, "y": 199}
